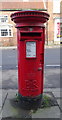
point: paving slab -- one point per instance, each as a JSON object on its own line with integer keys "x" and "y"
{"x": 0, "y": 98}
{"x": 58, "y": 101}
{"x": 52, "y": 112}
{"x": 0, "y": 114}
{"x": 57, "y": 94}
{"x": 12, "y": 93}
{"x": 0, "y": 109}
{"x": 4, "y": 96}
{"x": 52, "y": 90}
{"x": 0, "y": 71}
{"x": 12, "y": 111}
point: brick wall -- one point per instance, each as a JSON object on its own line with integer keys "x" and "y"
{"x": 9, "y": 41}
{"x": 50, "y": 22}
{"x": 16, "y": 4}
{"x": 50, "y": 28}
{"x": 6, "y": 41}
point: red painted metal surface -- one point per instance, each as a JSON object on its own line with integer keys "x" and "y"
{"x": 31, "y": 38}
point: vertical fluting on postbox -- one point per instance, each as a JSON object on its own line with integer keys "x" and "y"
{"x": 31, "y": 39}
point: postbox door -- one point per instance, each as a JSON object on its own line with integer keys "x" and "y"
{"x": 31, "y": 78}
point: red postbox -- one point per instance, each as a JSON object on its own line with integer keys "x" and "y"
{"x": 31, "y": 39}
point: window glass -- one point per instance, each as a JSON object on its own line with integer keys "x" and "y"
{"x": 9, "y": 32}
{"x": 4, "y": 32}
{"x": 56, "y": 6}
{"x": 3, "y": 18}
{"x": 61, "y": 30}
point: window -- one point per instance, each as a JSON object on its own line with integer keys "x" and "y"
{"x": 9, "y": 32}
{"x": 4, "y": 32}
{"x": 56, "y": 6}
{"x": 25, "y": 0}
{"x": 4, "y": 18}
{"x": 60, "y": 30}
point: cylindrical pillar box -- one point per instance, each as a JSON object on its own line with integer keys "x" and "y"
{"x": 31, "y": 39}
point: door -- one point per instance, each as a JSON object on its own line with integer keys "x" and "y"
{"x": 32, "y": 72}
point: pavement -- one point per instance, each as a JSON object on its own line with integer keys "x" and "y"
{"x": 10, "y": 109}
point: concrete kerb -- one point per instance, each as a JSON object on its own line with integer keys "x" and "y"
{"x": 12, "y": 47}
{"x": 52, "y": 46}
{"x": 46, "y": 46}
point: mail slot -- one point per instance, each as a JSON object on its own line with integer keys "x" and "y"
{"x": 30, "y": 35}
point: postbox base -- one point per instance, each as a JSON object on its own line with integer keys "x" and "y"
{"x": 30, "y": 102}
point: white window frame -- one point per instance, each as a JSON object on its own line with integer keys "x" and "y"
{"x": 56, "y": 6}
{"x": 25, "y": 0}
{"x": 3, "y": 27}
{"x": 3, "y": 17}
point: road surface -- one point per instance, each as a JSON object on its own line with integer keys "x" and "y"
{"x": 9, "y": 58}
{"x": 9, "y": 74}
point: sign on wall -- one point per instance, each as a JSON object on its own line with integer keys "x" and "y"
{"x": 57, "y": 29}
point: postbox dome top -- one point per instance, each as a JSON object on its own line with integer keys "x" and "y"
{"x": 30, "y": 16}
